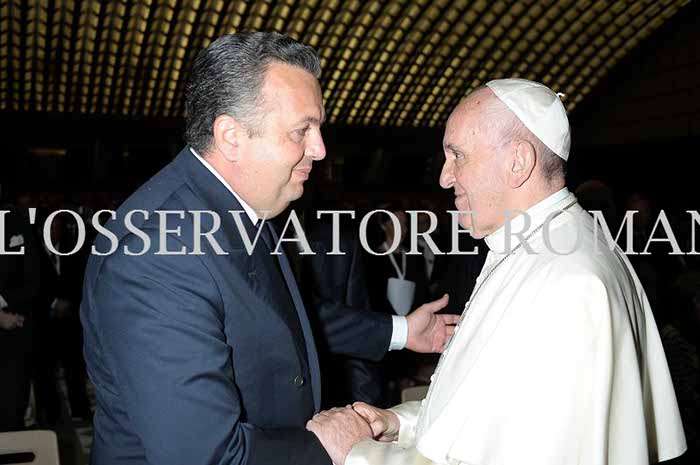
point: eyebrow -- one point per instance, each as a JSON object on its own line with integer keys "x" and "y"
{"x": 314, "y": 120}
{"x": 452, "y": 148}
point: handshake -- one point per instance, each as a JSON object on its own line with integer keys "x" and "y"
{"x": 340, "y": 429}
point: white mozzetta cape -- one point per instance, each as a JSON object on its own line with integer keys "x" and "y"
{"x": 557, "y": 362}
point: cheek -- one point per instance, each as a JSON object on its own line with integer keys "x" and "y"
{"x": 468, "y": 181}
{"x": 277, "y": 162}
{"x": 462, "y": 177}
{"x": 291, "y": 156}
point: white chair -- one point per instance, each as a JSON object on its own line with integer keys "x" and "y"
{"x": 414, "y": 393}
{"x": 43, "y": 444}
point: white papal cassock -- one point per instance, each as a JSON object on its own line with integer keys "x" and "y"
{"x": 557, "y": 361}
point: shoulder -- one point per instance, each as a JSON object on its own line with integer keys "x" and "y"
{"x": 572, "y": 249}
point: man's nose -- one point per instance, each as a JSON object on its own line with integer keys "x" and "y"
{"x": 447, "y": 178}
{"x": 316, "y": 149}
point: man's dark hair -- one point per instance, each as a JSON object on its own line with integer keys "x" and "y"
{"x": 228, "y": 76}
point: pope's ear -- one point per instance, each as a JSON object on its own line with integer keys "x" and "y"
{"x": 226, "y": 133}
{"x": 521, "y": 163}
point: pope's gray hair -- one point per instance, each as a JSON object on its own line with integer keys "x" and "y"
{"x": 504, "y": 127}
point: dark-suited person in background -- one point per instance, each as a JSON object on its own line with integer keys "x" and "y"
{"x": 399, "y": 264}
{"x": 459, "y": 272}
{"x": 19, "y": 289}
{"x": 209, "y": 358}
{"x": 339, "y": 283}
{"x": 62, "y": 271}
{"x": 404, "y": 271}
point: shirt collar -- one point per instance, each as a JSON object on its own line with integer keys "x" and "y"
{"x": 247, "y": 208}
{"x": 537, "y": 214}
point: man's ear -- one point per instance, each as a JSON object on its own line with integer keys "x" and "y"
{"x": 521, "y": 163}
{"x": 227, "y": 131}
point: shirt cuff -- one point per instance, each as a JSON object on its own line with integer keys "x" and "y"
{"x": 399, "y": 334}
{"x": 3, "y": 303}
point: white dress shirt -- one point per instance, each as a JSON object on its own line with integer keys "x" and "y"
{"x": 399, "y": 334}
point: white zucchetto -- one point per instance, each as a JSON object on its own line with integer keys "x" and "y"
{"x": 539, "y": 109}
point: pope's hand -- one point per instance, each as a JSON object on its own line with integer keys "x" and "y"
{"x": 339, "y": 430}
{"x": 384, "y": 423}
{"x": 428, "y": 332}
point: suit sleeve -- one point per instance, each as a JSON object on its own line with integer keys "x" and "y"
{"x": 162, "y": 327}
{"x": 349, "y": 327}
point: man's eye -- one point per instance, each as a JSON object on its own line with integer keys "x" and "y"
{"x": 302, "y": 132}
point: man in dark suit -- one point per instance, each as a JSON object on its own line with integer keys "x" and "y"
{"x": 19, "y": 291}
{"x": 60, "y": 334}
{"x": 331, "y": 283}
{"x": 199, "y": 348}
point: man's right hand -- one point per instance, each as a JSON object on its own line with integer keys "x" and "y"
{"x": 339, "y": 430}
{"x": 384, "y": 423}
{"x": 10, "y": 321}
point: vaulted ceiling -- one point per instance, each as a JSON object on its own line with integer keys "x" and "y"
{"x": 386, "y": 63}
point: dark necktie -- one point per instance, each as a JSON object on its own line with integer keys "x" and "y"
{"x": 266, "y": 235}
{"x": 269, "y": 237}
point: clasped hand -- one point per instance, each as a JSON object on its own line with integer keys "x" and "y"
{"x": 340, "y": 429}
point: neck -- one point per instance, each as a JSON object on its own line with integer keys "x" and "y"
{"x": 234, "y": 178}
{"x": 220, "y": 164}
{"x": 522, "y": 200}
{"x": 538, "y": 209}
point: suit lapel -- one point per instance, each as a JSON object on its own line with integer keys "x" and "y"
{"x": 215, "y": 196}
{"x": 314, "y": 368}
{"x": 218, "y": 198}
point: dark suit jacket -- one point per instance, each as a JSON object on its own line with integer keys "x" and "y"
{"x": 458, "y": 277}
{"x": 200, "y": 359}
{"x": 20, "y": 274}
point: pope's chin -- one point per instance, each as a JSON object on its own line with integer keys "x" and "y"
{"x": 465, "y": 221}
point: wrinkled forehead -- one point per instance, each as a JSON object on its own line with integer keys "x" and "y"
{"x": 476, "y": 117}
{"x": 464, "y": 128}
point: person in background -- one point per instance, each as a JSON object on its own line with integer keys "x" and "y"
{"x": 19, "y": 292}
{"x": 62, "y": 341}
{"x": 332, "y": 282}
{"x": 397, "y": 283}
{"x": 595, "y": 195}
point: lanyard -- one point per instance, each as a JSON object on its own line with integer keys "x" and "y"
{"x": 402, "y": 275}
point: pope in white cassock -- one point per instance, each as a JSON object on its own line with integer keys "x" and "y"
{"x": 557, "y": 359}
